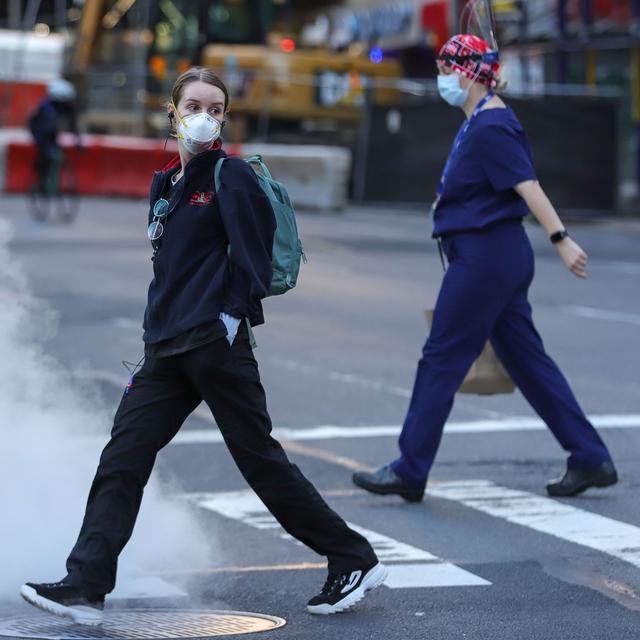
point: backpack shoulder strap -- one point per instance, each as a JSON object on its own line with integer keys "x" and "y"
{"x": 257, "y": 159}
{"x": 216, "y": 173}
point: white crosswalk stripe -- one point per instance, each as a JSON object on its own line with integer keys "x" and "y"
{"x": 618, "y": 539}
{"x": 411, "y": 566}
{"x": 332, "y": 432}
{"x": 499, "y": 424}
{"x": 419, "y": 568}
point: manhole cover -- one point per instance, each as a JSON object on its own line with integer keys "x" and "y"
{"x": 139, "y": 624}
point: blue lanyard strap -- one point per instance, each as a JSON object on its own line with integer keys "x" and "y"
{"x": 458, "y": 140}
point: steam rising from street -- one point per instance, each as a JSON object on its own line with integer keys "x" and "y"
{"x": 53, "y": 427}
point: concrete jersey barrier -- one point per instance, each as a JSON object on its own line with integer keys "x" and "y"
{"x": 316, "y": 177}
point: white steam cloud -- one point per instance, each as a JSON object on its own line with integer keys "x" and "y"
{"x": 47, "y": 460}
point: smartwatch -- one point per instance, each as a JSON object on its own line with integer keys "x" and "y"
{"x": 558, "y": 236}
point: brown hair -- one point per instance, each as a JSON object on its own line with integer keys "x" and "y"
{"x": 501, "y": 83}
{"x": 195, "y": 74}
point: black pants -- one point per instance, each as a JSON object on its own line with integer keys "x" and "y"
{"x": 163, "y": 394}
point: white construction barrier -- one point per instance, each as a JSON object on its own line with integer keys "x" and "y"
{"x": 316, "y": 177}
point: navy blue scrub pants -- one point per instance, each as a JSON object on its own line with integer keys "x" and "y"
{"x": 484, "y": 297}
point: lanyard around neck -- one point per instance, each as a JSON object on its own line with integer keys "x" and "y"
{"x": 458, "y": 140}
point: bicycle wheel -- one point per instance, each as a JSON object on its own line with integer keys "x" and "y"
{"x": 39, "y": 203}
{"x": 67, "y": 202}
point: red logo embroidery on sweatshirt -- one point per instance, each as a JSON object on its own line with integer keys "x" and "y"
{"x": 201, "y": 197}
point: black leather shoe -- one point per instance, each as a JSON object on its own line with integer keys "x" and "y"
{"x": 575, "y": 481}
{"x": 385, "y": 481}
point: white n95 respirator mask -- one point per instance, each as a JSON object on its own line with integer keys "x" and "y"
{"x": 198, "y": 131}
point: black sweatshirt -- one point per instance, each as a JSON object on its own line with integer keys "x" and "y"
{"x": 195, "y": 277}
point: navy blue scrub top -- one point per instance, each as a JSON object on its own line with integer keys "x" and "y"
{"x": 493, "y": 157}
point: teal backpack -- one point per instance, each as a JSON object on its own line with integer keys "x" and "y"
{"x": 287, "y": 247}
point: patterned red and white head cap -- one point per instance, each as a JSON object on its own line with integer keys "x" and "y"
{"x": 471, "y": 57}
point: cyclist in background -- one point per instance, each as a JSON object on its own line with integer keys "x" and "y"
{"x": 56, "y": 112}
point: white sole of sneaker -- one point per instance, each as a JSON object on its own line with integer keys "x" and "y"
{"x": 79, "y": 614}
{"x": 374, "y": 578}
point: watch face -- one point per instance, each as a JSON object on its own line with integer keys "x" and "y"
{"x": 558, "y": 235}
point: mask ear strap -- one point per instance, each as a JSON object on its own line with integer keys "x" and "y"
{"x": 175, "y": 110}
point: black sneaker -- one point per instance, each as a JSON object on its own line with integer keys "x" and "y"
{"x": 65, "y": 600}
{"x": 342, "y": 590}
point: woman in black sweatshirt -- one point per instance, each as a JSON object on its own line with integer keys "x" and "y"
{"x": 211, "y": 268}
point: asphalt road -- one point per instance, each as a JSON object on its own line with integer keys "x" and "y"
{"x": 486, "y": 555}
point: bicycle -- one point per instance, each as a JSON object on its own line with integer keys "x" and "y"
{"x": 56, "y": 193}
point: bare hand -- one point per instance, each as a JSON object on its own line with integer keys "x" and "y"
{"x": 573, "y": 256}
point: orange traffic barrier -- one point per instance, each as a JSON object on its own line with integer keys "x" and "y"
{"x": 18, "y": 100}
{"x": 104, "y": 165}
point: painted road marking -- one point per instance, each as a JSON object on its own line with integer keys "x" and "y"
{"x": 326, "y": 456}
{"x": 420, "y": 568}
{"x": 612, "y": 537}
{"x": 128, "y": 324}
{"x": 331, "y": 432}
{"x": 437, "y": 574}
{"x": 602, "y": 314}
{"x": 300, "y": 566}
{"x": 341, "y": 377}
{"x": 357, "y": 380}
{"x": 630, "y": 268}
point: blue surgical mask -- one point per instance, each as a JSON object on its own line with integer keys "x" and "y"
{"x": 450, "y": 90}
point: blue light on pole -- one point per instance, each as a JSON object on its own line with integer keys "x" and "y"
{"x": 376, "y": 55}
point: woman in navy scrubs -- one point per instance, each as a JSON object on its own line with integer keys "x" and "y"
{"x": 488, "y": 186}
